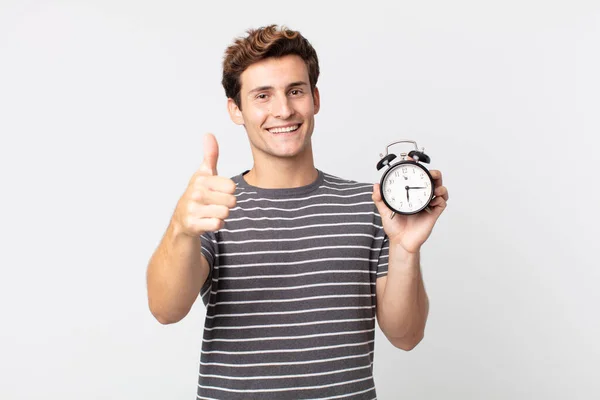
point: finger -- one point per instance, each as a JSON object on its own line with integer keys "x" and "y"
{"x": 441, "y": 191}
{"x": 210, "y": 211}
{"x": 437, "y": 177}
{"x": 205, "y": 224}
{"x": 438, "y": 204}
{"x": 211, "y": 197}
{"x": 376, "y": 193}
{"x": 211, "y": 155}
{"x": 381, "y": 207}
{"x": 216, "y": 183}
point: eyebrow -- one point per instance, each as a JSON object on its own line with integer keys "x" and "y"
{"x": 261, "y": 88}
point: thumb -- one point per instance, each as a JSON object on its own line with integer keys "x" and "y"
{"x": 211, "y": 155}
{"x": 376, "y": 196}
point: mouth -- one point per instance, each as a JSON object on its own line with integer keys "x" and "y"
{"x": 281, "y": 130}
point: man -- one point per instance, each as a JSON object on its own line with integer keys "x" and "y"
{"x": 293, "y": 264}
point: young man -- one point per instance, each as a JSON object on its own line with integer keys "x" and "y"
{"x": 294, "y": 265}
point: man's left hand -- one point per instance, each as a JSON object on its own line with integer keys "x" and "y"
{"x": 411, "y": 231}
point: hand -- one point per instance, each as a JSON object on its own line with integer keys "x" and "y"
{"x": 411, "y": 231}
{"x": 205, "y": 204}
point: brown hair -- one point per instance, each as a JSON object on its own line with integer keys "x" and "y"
{"x": 262, "y": 43}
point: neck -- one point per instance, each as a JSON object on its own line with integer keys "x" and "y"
{"x": 282, "y": 173}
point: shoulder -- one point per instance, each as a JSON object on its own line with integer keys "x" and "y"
{"x": 345, "y": 189}
{"x": 339, "y": 182}
{"x": 350, "y": 190}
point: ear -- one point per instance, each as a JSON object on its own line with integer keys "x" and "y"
{"x": 234, "y": 112}
{"x": 316, "y": 100}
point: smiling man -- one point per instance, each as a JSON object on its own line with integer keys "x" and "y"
{"x": 294, "y": 265}
{"x": 277, "y": 104}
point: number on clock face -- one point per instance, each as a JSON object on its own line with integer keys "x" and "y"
{"x": 395, "y": 189}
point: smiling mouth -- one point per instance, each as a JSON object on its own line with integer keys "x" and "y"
{"x": 287, "y": 129}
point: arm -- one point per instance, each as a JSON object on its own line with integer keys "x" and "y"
{"x": 177, "y": 270}
{"x": 176, "y": 273}
{"x": 402, "y": 302}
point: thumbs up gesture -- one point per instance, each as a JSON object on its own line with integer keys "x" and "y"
{"x": 205, "y": 204}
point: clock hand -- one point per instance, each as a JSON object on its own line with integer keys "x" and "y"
{"x": 416, "y": 187}
{"x": 407, "y": 195}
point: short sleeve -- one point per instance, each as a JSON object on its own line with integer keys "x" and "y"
{"x": 381, "y": 242}
{"x": 209, "y": 251}
{"x": 382, "y": 261}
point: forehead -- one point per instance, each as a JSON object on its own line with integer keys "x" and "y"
{"x": 275, "y": 72}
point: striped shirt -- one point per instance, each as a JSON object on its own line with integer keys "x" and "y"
{"x": 290, "y": 298}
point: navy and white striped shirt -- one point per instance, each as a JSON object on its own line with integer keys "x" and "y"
{"x": 291, "y": 293}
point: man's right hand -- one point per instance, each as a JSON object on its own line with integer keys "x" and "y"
{"x": 205, "y": 204}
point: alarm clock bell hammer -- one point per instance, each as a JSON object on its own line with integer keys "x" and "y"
{"x": 412, "y": 174}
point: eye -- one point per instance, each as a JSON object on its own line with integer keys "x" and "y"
{"x": 296, "y": 92}
{"x": 261, "y": 96}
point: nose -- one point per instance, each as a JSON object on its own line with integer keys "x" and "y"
{"x": 282, "y": 108}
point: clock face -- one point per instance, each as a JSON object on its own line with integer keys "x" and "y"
{"x": 407, "y": 188}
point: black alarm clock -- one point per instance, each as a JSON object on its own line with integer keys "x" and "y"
{"x": 406, "y": 186}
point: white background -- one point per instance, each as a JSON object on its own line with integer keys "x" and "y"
{"x": 103, "y": 105}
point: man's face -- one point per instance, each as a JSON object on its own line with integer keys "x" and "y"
{"x": 278, "y": 107}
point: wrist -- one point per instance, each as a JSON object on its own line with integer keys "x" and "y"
{"x": 403, "y": 259}
{"x": 178, "y": 232}
{"x": 399, "y": 247}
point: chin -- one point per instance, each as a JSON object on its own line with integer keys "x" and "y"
{"x": 285, "y": 154}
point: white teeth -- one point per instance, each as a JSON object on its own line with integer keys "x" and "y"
{"x": 283, "y": 130}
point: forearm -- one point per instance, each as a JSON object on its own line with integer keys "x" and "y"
{"x": 405, "y": 304}
{"x": 175, "y": 275}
